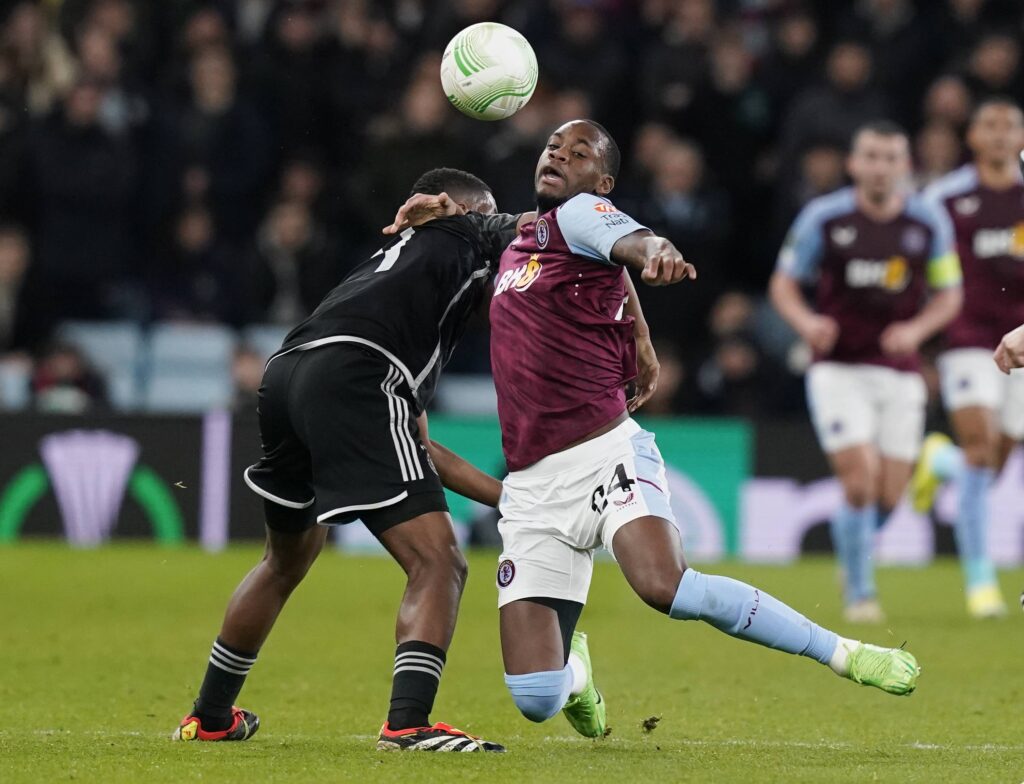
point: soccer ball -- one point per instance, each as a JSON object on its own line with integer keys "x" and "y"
{"x": 489, "y": 71}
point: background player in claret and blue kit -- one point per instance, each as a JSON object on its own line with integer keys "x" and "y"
{"x": 344, "y": 438}
{"x": 566, "y": 333}
{"x": 985, "y": 201}
{"x": 873, "y": 251}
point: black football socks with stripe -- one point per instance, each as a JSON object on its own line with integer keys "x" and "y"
{"x": 418, "y": 667}
{"x": 225, "y": 675}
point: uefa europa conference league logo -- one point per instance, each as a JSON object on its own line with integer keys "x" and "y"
{"x": 90, "y": 472}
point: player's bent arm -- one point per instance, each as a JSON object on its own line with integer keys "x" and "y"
{"x": 659, "y": 261}
{"x": 647, "y": 366}
{"x": 787, "y": 298}
{"x": 457, "y": 474}
{"x": 942, "y": 307}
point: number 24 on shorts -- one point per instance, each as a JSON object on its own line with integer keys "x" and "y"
{"x": 599, "y": 498}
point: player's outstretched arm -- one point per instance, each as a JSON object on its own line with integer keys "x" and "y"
{"x": 457, "y": 474}
{"x": 818, "y": 331}
{"x": 659, "y": 261}
{"x": 1010, "y": 353}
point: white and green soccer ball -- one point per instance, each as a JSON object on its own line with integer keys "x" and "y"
{"x": 489, "y": 71}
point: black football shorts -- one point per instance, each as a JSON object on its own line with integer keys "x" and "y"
{"x": 341, "y": 442}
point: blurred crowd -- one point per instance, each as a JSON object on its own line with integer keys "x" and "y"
{"x": 227, "y": 161}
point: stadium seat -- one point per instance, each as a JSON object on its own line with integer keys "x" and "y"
{"x": 192, "y": 393}
{"x": 14, "y": 386}
{"x": 189, "y": 368}
{"x": 264, "y": 339}
{"x": 469, "y": 394}
{"x": 115, "y": 349}
{"x": 183, "y": 348}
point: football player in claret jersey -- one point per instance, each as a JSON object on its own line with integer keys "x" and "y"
{"x": 344, "y": 438}
{"x": 985, "y": 201}
{"x": 886, "y": 278}
{"x": 566, "y": 334}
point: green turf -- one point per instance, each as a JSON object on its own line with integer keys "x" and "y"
{"x": 101, "y": 653}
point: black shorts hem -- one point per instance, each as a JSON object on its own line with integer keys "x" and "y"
{"x": 380, "y": 520}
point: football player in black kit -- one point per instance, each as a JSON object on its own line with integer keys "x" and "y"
{"x": 341, "y": 413}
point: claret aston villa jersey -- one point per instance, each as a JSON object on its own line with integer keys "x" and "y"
{"x": 869, "y": 274}
{"x": 561, "y": 348}
{"x": 989, "y": 228}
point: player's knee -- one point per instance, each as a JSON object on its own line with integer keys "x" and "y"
{"x": 859, "y": 489}
{"x": 979, "y": 450}
{"x": 659, "y": 590}
{"x": 444, "y": 561}
{"x": 539, "y": 695}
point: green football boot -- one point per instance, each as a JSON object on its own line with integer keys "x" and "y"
{"x": 586, "y": 711}
{"x": 892, "y": 670}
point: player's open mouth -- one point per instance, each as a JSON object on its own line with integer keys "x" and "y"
{"x": 551, "y": 175}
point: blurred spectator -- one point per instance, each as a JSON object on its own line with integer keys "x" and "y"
{"x": 584, "y": 57}
{"x": 44, "y": 68}
{"x": 124, "y": 107}
{"x": 994, "y": 67}
{"x": 948, "y": 101}
{"x": 247, "y": 375}
{"x": 13, "y": 142}
{"x": 367, "y": 69}
{"x": 831, "y": 111}
{"x": 200, "y": 277}
{"x": 794, "y": 62}
{"x": 291, "y": 78}
{"x": 675, "y": 65}
{"x": 405, "y": 145}
{"x": 650, "y": 141}
{"x": 19, "y": 327}
{"x": 822, "y": 170}
{"x": 63, "y": 382}
{"x": 296, "y": 265}
{"x": 734, "y": 379}
{"x": 215, "y": 147}
{"x": 512, "y": 155}
{"x": 902, "y": 45}
{"x": 668, "y": 397}
{"x": 84, "y": 181}
{"x": 937, "y": 151}
{"x": 695, "y": 215}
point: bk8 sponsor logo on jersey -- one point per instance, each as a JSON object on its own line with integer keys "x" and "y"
{"x": 990, "y": 243}
{"x": 520, "y": 278}
{"x": 892, "y": 274}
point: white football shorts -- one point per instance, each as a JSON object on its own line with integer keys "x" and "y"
{"x": 555, "y": 513}
{"x": 970, "y": 378}
{"x": 867, "y": 404}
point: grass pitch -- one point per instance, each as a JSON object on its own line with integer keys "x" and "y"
{"x": 102, "y": 652}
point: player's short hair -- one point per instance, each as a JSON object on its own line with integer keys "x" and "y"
{"x": 995, "y": 100}
{"x": 612, "y": 156}
{"x": 880, "y": 128}
{"x": 456, "y": 183}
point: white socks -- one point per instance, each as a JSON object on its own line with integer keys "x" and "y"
{"x": 840, "y": 661}
{"x": 579, "y": 674}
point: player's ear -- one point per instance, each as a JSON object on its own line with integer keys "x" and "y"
{"x": 605, "y": 185}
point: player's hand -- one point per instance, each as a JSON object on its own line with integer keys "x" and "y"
{"x": 900, "y": 339}
{"x": 422, "y": 207}
{"x": 664, "y": 264}
{"x": 1010, "y": 353}
{"x": 647, "y": 370}
{"x": 820, "y": 333}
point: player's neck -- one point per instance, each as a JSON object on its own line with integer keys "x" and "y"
{"x": 997, "y": 176}
{"x": 880, "y": 210}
